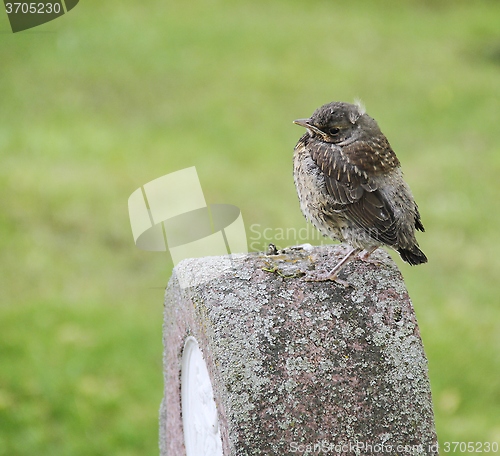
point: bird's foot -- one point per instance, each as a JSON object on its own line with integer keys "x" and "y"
{"x": 365, "y": 256}
{"x": 333, "y": 275}
{"x": 312, "y": 277}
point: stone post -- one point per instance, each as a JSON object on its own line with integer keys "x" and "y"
{"x": 259, "y": 361}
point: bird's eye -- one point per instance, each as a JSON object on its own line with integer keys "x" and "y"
{"x": 334, "y": 131}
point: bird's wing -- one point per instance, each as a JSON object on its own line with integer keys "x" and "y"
{"x": 354, "y": 194}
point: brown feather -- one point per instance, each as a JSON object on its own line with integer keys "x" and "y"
{"x": 356, "y": 196}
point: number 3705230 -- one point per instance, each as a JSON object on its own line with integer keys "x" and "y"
{"x": 33, "y": 8}
{"x": 470, "y": 447}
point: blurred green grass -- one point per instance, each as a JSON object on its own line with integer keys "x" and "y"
{"x": 115, "y": 94}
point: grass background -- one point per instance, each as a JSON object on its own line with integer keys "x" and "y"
{"x": 115, "y": 94}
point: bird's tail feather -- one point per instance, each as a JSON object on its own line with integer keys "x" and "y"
{"x": 414, "y": 256}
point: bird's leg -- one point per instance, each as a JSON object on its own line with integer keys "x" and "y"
{"x": 365, "y": 254}
{"x": 333, "y": 275}
{"x": 343, "y": 249}
{"x": 334, "y": 272}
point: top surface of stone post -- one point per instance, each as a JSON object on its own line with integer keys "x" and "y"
{"x": 294, "y": 363}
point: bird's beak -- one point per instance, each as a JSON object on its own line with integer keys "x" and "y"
{"x": 303, "y": 122}
{"x": 311, "y": 129}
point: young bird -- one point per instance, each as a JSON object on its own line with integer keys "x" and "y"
{"x": 350, "y": 185}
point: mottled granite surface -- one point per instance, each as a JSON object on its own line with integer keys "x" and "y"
{"x": 295, "y": 363}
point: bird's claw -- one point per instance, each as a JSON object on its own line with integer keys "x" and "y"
{"x": 327, "y": 278}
